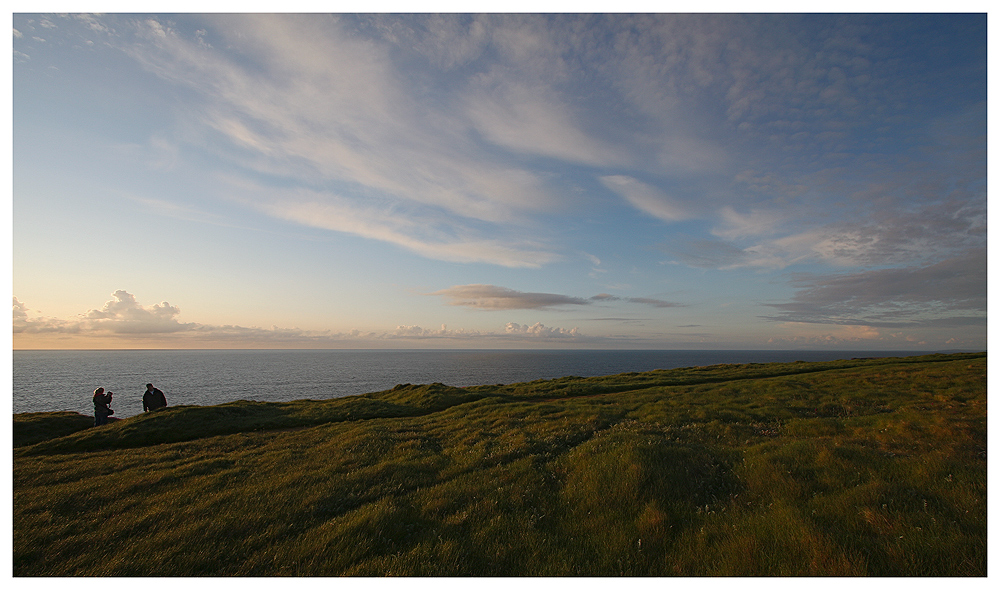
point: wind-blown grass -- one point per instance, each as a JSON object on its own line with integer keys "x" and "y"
{"x": 869, "y": 467}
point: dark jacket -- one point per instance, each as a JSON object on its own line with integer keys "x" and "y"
{"x": 153, "y": 400}
{"x": 101, "y": 402}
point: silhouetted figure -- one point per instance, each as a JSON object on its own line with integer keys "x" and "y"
{"x": 153, "y": 399}
{"x": 102, "y": 409}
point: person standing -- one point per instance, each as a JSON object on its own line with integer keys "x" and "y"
{"x": 102, "y": 410}
{"x": 153, "y": 399}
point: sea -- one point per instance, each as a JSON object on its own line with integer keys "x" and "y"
{"x": 48, "y": 381}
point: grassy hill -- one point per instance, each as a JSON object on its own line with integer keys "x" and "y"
{"x": 867, "y": 467}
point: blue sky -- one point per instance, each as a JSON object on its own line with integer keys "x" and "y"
{"x": 499, "y": 181}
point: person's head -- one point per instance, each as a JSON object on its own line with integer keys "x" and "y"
{"x": 98, "y": 391}
{"x": 149, "y": 387}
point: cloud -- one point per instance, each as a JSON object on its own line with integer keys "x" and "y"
{"x": 454, "y": 136}
{"x": 493, "y": 298}
{"x": 349, "y": 131}
{"x": 20, "y": 311}
{"x": 530, "y": 120}
{"x": 512, "y": 331}
{"x": 949, "y": 293}
{"x": 121, "y": 315}
{"x": 539, "y": 330}
{"x": 755, "y": 223}
{"x": 861, "y": 337}
{"x": 346, "y": 132}
{"x": 602, "y": 297}
{"x": 186, "y": 212}
{"x": 703, "y": 253}
{"x": 124, "y": 315}
{"x": 807, "y": 335}
{"x": 23, "y": 323}
{"x": 882, "y": 233}
{"x": 411, "y": 229}
{"x": 646, "y": 198}
{"x": 654, "y": 302}
{"x": 122, "y": 321}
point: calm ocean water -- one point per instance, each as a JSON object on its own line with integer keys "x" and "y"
{"x": 47, "y": 381}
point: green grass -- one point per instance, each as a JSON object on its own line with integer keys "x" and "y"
{"x": 868, "y": 467}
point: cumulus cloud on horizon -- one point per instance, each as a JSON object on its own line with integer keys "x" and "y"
{"x": 124, "y": 318}
{"x": 124, "y": 315}
{"x": 120, "y": 315}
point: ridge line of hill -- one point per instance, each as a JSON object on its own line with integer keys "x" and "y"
{"x": 36, "y": 434}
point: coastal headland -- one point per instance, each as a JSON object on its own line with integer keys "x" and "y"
{"x": 861, "y": 467}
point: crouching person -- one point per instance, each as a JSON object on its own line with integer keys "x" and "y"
{"x": 102, "y": 409}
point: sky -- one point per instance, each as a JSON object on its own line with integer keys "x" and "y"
{"x": 606, "y": 181}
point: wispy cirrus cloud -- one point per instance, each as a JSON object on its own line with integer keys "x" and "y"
{"x": 442, "y": 118}
{"x": 754, "y": 223}
{"x": 528, "y": 120}
{"x": 412, "y": 229}
{"x": 647, "y": 199}
{"x": 260, "y": 81}
{"x": 343, "y": 129}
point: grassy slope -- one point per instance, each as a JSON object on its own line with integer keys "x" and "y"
{"x": 867, "y": 467}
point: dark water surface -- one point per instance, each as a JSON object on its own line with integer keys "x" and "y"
{"x": 47, "y": 381}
